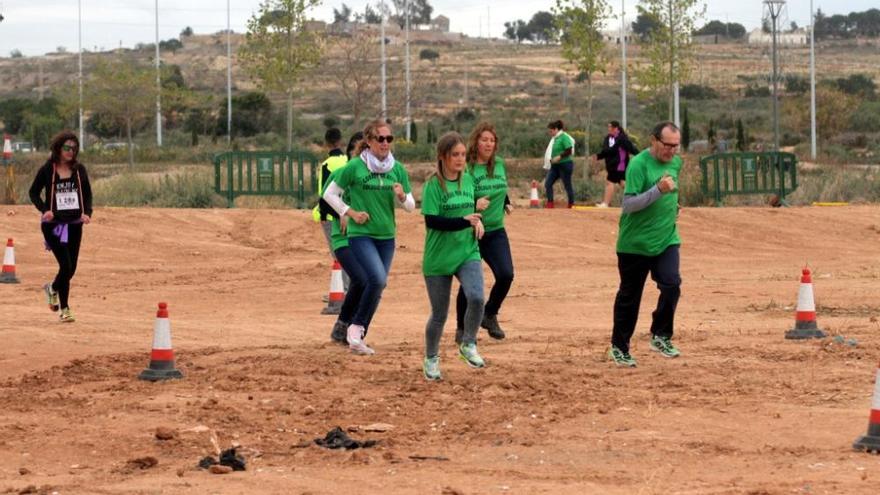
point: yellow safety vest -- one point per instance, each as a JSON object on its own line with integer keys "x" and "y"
{"x": 332, "y": 163}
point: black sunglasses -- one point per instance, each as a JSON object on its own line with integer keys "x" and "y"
{"x": 382, "y": 139}
{"x": 67, "y": 147}
{"x": 668, "y": 146}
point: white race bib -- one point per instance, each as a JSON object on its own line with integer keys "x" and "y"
{"x": 67, "y": 201}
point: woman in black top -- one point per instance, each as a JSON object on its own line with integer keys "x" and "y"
{"x": 62, "y": 193}
{"x": 617, "y": 149}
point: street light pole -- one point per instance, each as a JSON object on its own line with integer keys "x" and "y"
{"x": 623, "y": 63}
{"x": 408, "y": 114}
{"x": 812, "y": 83}
{"x": 384, "y": 87}
{"x": 775, "y": 7}
{"x": 82, "y": 141}
{"x": 158, "y": 85}
{"x": 228, "y": 76}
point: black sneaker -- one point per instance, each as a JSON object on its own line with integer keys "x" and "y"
{"x": 338, "y": 335}
{"x": 490, "y": 323}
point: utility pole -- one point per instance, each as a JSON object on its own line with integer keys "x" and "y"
{"x": 489, "y": 22}
{"x": 384, "y": 87}
{"x": 40, "y": 75}
{"x": 812, "y": 83}
{"x": 228, "y": 76}
{"x": 775, "y": 8}
{"x": 408, "y": 114}
{"x": 82, "y": 141}
{"x": 623, "y": 63}
{"x": 158, "y": 85}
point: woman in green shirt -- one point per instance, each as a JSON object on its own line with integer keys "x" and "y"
{"x": 559, "y": 159}
{"x": 490, "y": 189}
{"x": 374, "y": 181}
{"x": 452, "y": 231}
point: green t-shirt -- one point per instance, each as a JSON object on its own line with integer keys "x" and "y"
{"x": 337, "y": 238}
{"x": 650, "y": 231}
{"x": 446, "y": 251}
{"x": 562, "y": 142}
{"x": 374, "y": 194}
{"x": 495, "y": 188}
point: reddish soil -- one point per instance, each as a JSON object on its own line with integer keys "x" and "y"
{"x": 743, "y": 411}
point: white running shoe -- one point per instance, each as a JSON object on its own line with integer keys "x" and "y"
{"x": 601, "y": 205}
{"x": 355, "y": 340}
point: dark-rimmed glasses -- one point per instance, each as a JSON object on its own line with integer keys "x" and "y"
{"x": 385, "y": 139}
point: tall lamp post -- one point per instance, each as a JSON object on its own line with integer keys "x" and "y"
{"x": 775, "y": 7}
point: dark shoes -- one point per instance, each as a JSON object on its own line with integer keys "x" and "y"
{"x": 339, "y": 333}
{"x": 490, "y": 323}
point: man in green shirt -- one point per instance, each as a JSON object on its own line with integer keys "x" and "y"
{"x": 648, "y": 242}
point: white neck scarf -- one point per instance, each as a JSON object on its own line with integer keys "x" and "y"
{"x": 375, "y": 165}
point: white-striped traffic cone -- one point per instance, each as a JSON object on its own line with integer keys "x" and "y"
{"x": 870, "y": 442}
{"x": 7, "y": 276}
{"x": 337, "y": 291}
{"x": 162, "y": 356}
{"x": 805, "y": 326}
{"x": 7, "y": 148}
{"x": 534, "y": 202}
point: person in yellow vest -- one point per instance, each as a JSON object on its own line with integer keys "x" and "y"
{"x": 336, "y": 159}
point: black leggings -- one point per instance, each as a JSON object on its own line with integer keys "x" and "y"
{"x": 66, "y": 254}
{"x": 495, "y": 251}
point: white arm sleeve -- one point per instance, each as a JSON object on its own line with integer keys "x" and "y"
{"x": 333, "y": 197}
{"x": 409, "y": 204}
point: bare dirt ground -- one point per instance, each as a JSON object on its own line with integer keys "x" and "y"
{"x": 743, "y": 411}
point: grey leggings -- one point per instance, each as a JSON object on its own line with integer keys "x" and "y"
{"x": 470, "y": 275}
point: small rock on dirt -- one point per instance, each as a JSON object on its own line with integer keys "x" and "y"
{"x": 23, "y": 471}
{"x": 308, "y": 410}
{"x": 218, "y": 469}
{"x": 143, "y": 462}
{"x": 448, "y": 490}
{"x": 378, "y": 427}
{"x": 165, "y": 433}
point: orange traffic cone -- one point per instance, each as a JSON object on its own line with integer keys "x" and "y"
{"x": 534, "y": 202}
{"x": 805, "y": 326}
{"x": 871, "y": 441}
{"x": 337, "y": 291}
{"x": 162, "y": 356}
{"x": 7, "y": 148}
{"x": 7, "y": 276}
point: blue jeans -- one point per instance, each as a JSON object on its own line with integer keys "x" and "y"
{"x": 495, "y": 251}
{"x": 470, "y": 275}
{"x": 557, "y": 171}
{"x": 356, "y": 287}
{"x": 374, "y": 256}
{"x": 634, "y": 269}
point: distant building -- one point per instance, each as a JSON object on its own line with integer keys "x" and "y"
{"x": 792, "y": 38}
{"x": 440, "y": 23}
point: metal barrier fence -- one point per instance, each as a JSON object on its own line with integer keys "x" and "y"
{"x": 266, "y": 173}
{"x": 730, "y": 174}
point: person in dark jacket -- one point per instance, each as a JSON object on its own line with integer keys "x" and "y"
{"x": 63, "y": 194}
{"x": 616, "y": 151}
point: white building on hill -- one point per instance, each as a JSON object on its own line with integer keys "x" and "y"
{"x": 792, "y": 38}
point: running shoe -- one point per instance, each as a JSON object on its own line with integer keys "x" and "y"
{"x": 51, "y": 297}
{"x": 490, "y": 323}
{"x": 621, "y": 358}
{"x": 468, "y": 353}
{"x": 337, "y": 335}
{"x": 431, "y": 368}
{"x": 664, "y": 346}
{"x": 66, "y": 316}
{"x": 356, "y": 343}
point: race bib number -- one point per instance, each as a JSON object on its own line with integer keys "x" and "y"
{"x": 67, "y": 201}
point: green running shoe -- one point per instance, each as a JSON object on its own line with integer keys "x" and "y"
{"x": 51, "y": 297}
{"x": 66, "y": 316}
{"x": 468, "y": 353}
{"x": 621, "y": 358}
{"x": 664, "y": 346}
{"x": 431, "y": 368}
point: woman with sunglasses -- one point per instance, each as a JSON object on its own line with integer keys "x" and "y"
{"x": 490, "y": 189}
{"x": 64, "y": 183}
{"x": 374, "y": 182}
{"x": 452, "y": 230}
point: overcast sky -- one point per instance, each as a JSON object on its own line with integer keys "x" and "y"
{"x": 38, "y": 26}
